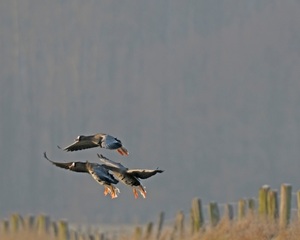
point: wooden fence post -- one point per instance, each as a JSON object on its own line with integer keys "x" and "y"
{"x": 285, "y": 205}
{"x": 138, "y": 233}
{"x": 298, "y": 204}
{"x": 149, "y": 228}
{"x": 180, "y": 224}
{"x": 4, "y": 226}
{"x": 29, "y": 222}
{"x": 160, "y": 224}
{"x": 16, "y": 222}
{"x": 263, "y": 201}
{"x": 54, "y": 228}
{"x": 228, "y": 212}
{"x": 214, "y": 213}
{"x": 192, "y": 222}
{"x": 62, "y": 230}
{"x": 251, "y": 206}
{"x": 273, "y": 205}
{"x": 42, "y": 223}
{"x": 241, "y": 209}
{"x": 196, "y": 215}
{"x": 178, "y": 229}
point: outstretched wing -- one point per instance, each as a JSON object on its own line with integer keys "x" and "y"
{"x": 101, "y": 174}
{"x": 111, "y": 165}
{"x": 72, "y": 166}
{"x": 59, "y": 164}
{"x": 80, "y": 145}
{"x": 143, "y": 173}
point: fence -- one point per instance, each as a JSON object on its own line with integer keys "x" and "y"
{"x": 268, "y": 207}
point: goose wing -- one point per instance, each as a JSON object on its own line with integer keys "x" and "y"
{"x": 72, "y": 166}
{"x": 80, "y": 145}
{"x": 144, "y": 173}
{"x": 111, "y": 165}
{"x": 59, "y": 164}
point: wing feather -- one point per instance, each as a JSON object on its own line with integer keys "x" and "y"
{"x": 144, "y": 173}
{"x": 72, "y": 166}
{"x": 59, "y": 164}
{"x": 111, "y": 165}
{"x": 80, "y": 145}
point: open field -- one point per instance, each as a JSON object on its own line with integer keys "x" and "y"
{"x": 246, "y": 229}
{"x": 268, "y": 217}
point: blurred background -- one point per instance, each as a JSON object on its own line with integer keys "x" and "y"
{"x": 206, "y": 90}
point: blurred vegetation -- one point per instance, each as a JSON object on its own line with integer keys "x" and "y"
{"x": 248, "y": 223}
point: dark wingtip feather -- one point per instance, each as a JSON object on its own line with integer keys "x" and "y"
{"x": 45, "y": 156}
{"x": 101, "y": 156}
{"x": 64, "y": 149}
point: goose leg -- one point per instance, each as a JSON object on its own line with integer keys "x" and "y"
{"x": 135, "y": 193}
{"x": 106, "y": 191}
{"x": 119, "y": 151}
{"x": 142, "y": 191}
{"x": 113, "y": 191}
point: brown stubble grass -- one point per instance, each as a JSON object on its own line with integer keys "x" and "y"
{"x": 248, "y": 228}
{"x": 26, "y": 235}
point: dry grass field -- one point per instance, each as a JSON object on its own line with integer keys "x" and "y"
{"x": 26, "y": 235}
{"x": 249, "y": 228}
{"x": 272, "y": 219}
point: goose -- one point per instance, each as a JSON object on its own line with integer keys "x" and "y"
{"x": 101, "y": 140}
{"x": 130, "y": 177}
{"x": 97, "y": 171}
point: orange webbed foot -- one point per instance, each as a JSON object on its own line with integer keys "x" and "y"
{"x": 123, "y": 151}
{"x": 106, "y": 191}
{"x": 142, "y": 191}
{"x": 135, "y": 193}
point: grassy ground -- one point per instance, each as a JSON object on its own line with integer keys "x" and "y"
{"x": 26, "y": 235}
{"x": 250, "y": 228}
{"x": 247, "y": 229}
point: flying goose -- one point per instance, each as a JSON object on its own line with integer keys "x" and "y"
{"x": 101, "y": 140}
{"x": 97, "y": 171}
{"x": 129, "y": 177}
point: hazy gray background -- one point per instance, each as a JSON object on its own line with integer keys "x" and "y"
{"x": 207, "y": 90}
